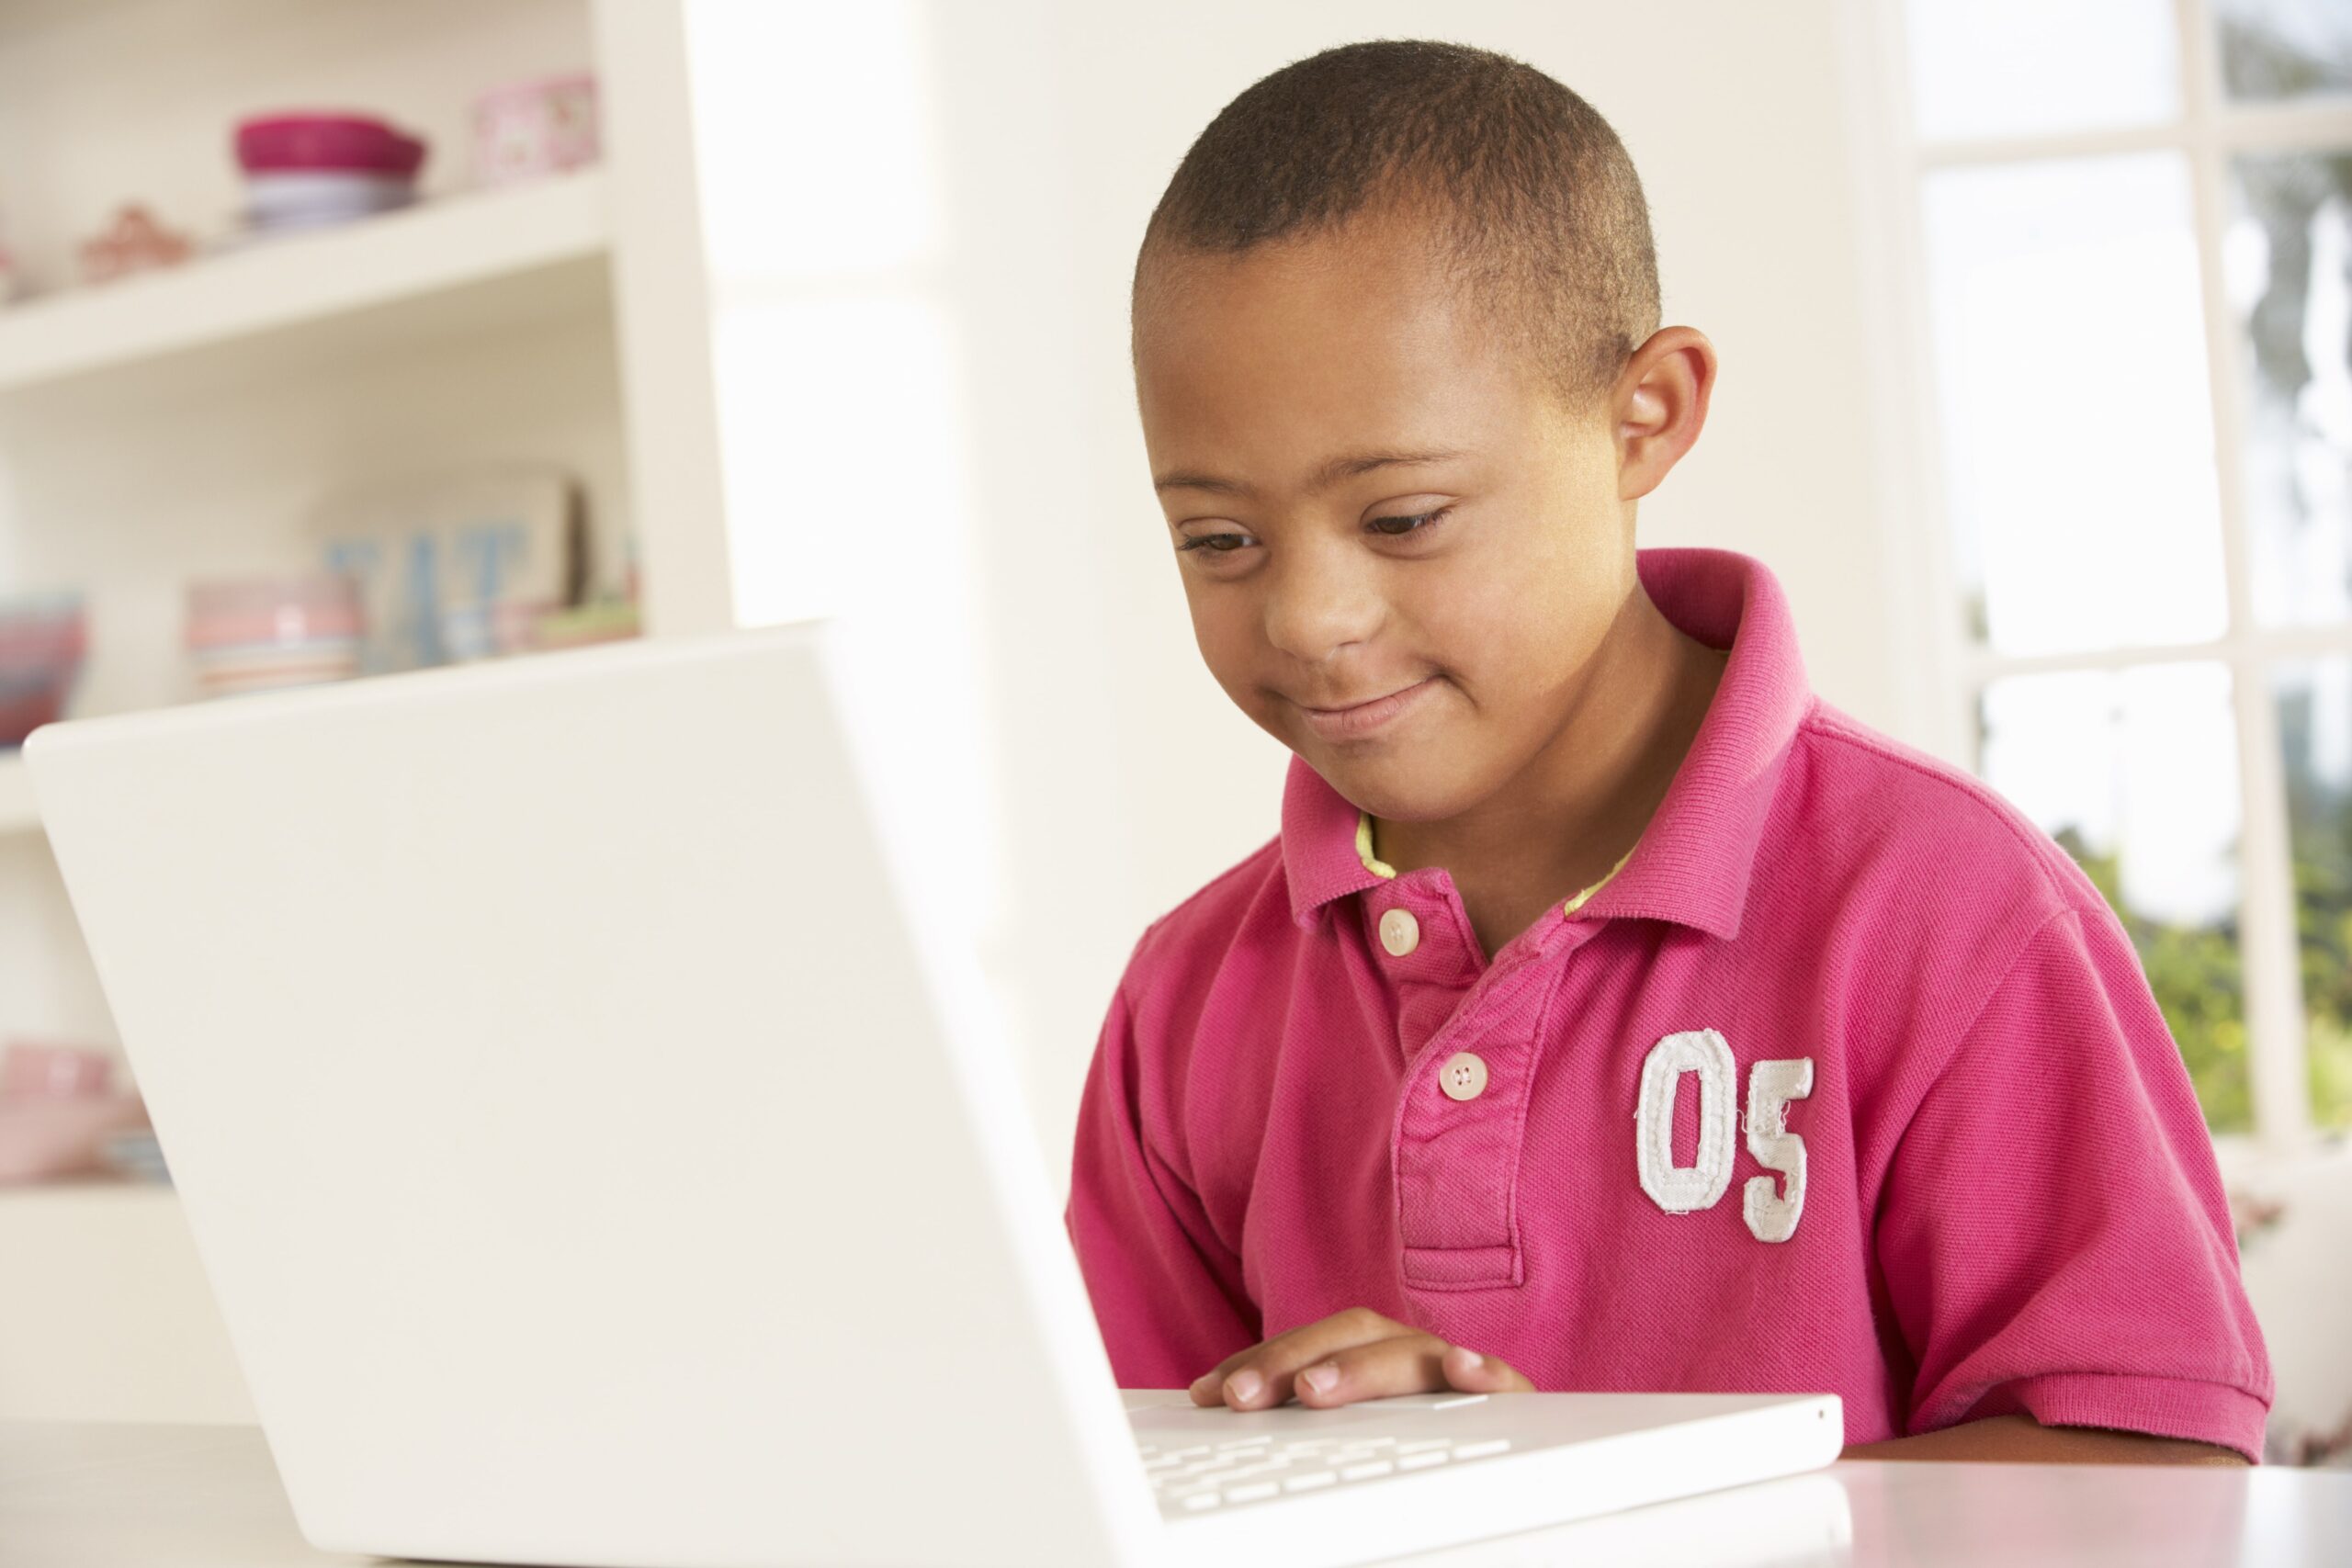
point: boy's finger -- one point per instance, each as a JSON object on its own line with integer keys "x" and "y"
{"x": 1406, "y": 1364}
{"x": 1475, "y": 1373}
{"x": 1259, "y": 1377}
{"x": 1335, "y": 1332}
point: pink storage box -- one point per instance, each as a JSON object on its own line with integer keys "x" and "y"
{"x": 526, "y": 129}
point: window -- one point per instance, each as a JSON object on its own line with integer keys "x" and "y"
{"x": 2134, "y": 230}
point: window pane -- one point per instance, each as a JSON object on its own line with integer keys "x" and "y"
{"x": 2017, "y": 67}
{"x": 2077, "y": 415}
{"x": 2315, "y": 727}
{"x": 2285, "y": 49}
{"x": 2287, "y": 257}
{"x": 2136, "y": 774}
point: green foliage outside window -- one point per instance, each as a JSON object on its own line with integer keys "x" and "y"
{"x": 2324, "y": 923}
{"x": 2194, "y": 971}
{"x": 2195, "y": 974}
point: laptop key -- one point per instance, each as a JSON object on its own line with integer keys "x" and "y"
{"x": 1265, "y": 1468}
{"x": 1247, "y": 1469}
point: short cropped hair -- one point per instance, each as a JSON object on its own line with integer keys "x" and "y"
{"x": 1533, "y": 201}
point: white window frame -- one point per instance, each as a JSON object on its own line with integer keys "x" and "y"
{"x": 1950, "y": 669}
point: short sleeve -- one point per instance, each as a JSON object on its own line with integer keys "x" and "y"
{"x": 1167, "y": 1293}
{"x": 2053, "y": 1232}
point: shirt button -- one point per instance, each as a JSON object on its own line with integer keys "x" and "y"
{"x": 1399, "y": 933}
{"x": 1463, "y": 1077}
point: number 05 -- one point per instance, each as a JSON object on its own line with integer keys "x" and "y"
{"x": 1682, "y": 1190}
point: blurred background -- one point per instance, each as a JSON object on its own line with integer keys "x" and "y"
{"x": 340, "y": 338}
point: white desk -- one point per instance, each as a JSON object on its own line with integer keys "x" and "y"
{"x": 75, "y": 1496}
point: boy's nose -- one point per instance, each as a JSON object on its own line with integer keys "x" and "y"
{"x": 1316, "y": 605}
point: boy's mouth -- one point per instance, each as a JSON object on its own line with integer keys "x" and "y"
{"x": 1354, "y": 721}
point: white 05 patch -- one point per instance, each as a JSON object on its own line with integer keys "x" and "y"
{"x": 1771, "y": 1086}
{"x": 1680, "y": 1189}
{"x": 1683, "y": 1189}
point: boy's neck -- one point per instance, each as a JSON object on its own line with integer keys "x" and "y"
{"x": 1575, "y": 809}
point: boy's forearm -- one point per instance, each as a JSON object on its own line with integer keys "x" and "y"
{"x": 2020, "y": 1439}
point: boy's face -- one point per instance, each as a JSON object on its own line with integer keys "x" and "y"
{"x": 1418, "y": 629}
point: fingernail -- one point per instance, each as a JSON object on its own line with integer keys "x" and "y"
{"x": 1471, "y": 1360}
{"x": 1243, "y": 1386}
{"x": 1322, "y": 1379}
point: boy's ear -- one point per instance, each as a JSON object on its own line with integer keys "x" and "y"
{"x": 1662, "y": 407}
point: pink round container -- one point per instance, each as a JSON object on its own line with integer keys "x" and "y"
{"x": 322, "y": 141}
{"x": 263, "y": 611}
{"x": 254, "y": 634}
{"x": 28, "y": 1071}
{"x": 42, "y": 640}
{"x": 41, "y": 634}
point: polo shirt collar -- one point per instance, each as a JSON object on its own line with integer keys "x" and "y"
{"x": 1692, "y": 864}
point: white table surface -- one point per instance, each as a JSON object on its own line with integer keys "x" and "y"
{"x": 126, "y": 1495}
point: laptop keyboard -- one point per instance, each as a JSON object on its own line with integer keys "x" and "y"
{"x": 1191, "y": 1478}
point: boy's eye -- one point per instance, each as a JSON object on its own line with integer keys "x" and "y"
{"x": 1215, "y": 544}
{"x": 1395, "y": 527}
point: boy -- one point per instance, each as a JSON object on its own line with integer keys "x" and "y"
{"x": 1609, "y": 1013}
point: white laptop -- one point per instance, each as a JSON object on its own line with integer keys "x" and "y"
{"x": 602, "y": 1156}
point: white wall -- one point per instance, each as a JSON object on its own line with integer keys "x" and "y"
{"x": 1126, "y": 778}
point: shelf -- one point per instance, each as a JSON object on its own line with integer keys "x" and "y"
{"x": 109, "y": 1316}
{"x": 16, "y": 813}
{"x": 92, "y": 1196}
{"x": 439, "y": 250}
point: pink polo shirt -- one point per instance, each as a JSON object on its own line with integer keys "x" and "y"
{"x": 1847, "y": 1081}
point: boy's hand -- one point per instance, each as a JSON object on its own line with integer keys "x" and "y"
{"x": 1352, "y": 1355}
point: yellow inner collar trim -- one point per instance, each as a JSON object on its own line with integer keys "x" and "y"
{"x": 1378, "y": 867}
{"x": 1372, "y": 863}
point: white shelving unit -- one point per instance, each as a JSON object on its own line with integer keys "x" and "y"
{"x": 426, "y": 260}
{"x": 177, "y": 424}
{"x": 432, "y": 268}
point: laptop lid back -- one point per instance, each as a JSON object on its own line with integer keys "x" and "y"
{"x": 597, "y": 1152}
